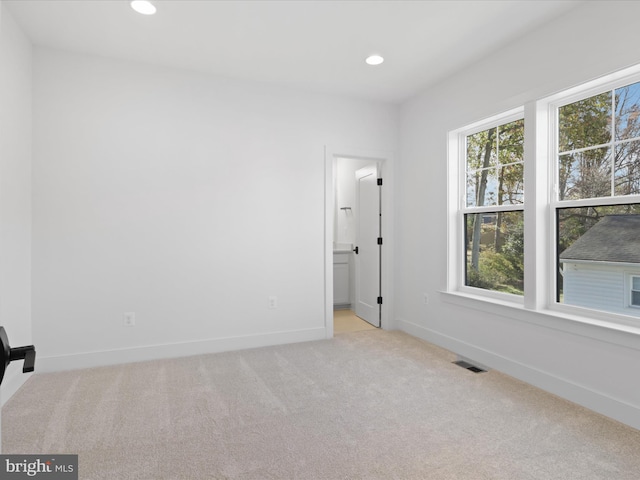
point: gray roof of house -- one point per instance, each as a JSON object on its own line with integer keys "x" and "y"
{"x": 615, "y": 238}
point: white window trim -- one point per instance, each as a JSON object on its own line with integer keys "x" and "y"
{"x": 629, "y": 290}
{"x": 458, "y": 208}
{"x": 551, "y": 105}
{"x": 538, "y": 304}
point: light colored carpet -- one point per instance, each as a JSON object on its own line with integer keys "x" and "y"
{"x": 345, "y": 321}
{"x": 368, "y": 405}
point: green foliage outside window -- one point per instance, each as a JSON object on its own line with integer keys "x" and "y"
{"x": 495, "y": 177}
{"x": 500, "y": 260}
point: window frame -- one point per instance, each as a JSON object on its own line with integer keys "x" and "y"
{"x": 537, "y": 305}
{"x": 630, "y": 290}
{"x": 459, "y": 146}
{"x": 552, "y": 106}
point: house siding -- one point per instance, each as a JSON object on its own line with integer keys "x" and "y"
{"x": 600, "y": 287}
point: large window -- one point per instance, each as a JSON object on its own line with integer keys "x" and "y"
{"x": 493, "y": 212}
{"x": 598, "y": 159}
{"x": 574, "y": 246}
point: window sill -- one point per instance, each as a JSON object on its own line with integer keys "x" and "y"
{"x": 601, "y": 330}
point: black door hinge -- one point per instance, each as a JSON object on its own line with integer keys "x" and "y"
{"x": 380, "y": 181}
{"x": 379, "y": 300}
{"x": 379, "y": 240}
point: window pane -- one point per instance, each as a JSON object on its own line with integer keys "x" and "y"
{"x": 482, "y": 186}
{"x": 635, "y": 299}
{"x": 597, "y": 247}
{"x": 495, "y": 251}
{"x": 482, "y": 155}
{"x": 494, "y": 165}
{"x": 511, "y": 142}
{"x": 627, "y": 112}
{"x": 627, "y": 169}
{"x": 636, "y": 284}
{"x": 585, "y": 123}
{"x": 482, "y": 150}
{"x": 585, "y": 174}
{"x": 511, "y": 185}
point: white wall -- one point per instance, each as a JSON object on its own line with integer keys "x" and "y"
{"x": 594, "y": 39}
{"x": 15, "y": 192}
{"x": 184, "y": 198}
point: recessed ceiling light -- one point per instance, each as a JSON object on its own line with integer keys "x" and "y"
{"x": 374, "y": 60}
{"x": 143, "y": 6}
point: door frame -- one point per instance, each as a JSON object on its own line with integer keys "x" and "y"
{"x": 385, "y": 165}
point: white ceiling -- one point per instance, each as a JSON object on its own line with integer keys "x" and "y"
{"x": 312, "y": 45}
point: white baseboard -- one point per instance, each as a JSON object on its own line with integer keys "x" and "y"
{"x": 342, "y": 306}
{"x": 596, "y": 401}
{"x": 174, "y": 350}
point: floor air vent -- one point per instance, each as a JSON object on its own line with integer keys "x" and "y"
{"x": 468, "y": 366}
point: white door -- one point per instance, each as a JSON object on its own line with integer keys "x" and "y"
{"x": 367, "y": 258}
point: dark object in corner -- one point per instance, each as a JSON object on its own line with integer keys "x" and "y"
{"x": 28, "y": 353}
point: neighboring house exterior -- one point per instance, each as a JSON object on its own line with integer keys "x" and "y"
{"x": 601, "y": 269}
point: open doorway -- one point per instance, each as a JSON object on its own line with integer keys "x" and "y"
{"x": 346, "y": 321}
{"x": 356, "y": 254}
{"x": 355, "y": 224}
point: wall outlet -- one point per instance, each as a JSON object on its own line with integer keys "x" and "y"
{"x": 273, "y": 302}
{"x": 425, "y": 298}
{"x": 129, "y": 319}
